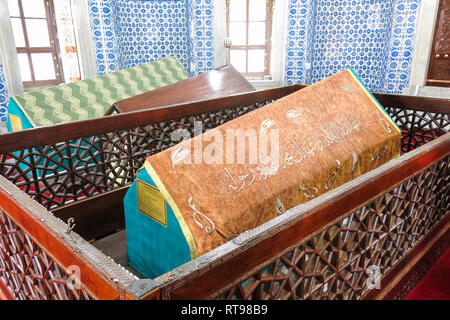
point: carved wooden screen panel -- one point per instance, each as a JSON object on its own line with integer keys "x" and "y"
{"x": 59, "y": 173}
{"x": 56, "y": 174}
{"x": 418, "y": 127}
{"x": 28, "y": 272}
{"x": 339, "y": 262}
{"x": 439, "y": 65}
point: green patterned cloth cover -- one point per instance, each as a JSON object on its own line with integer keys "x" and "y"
{"x": 91, "y": 98}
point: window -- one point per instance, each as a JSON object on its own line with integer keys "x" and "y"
{"x": 249, "y": 25}
{"x": 34, "y": 24}
{"x": 439, "y": 63}
{"x": 67, "y": 40}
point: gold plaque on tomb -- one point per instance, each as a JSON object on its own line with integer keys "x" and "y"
{"x": 151, "y": 202}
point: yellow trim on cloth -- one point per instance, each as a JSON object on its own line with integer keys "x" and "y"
{"x": 184, "y": 227}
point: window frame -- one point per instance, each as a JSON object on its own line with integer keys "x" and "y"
{"x": 53, "y": 49}
{"x": 435, "y": 48}
{"x": 268, "y": 41}
{"x": 422, "y": 48}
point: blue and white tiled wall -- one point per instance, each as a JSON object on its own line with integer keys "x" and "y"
{"x": 373, "y": 37}
{"x": 131, "y": 32}
{"x": 104, "y": 36}
{"x": 353, "y": 36}
{"x": 201, "y": 33}
{"x": 401, "y": 46}
{"x": 299, "y": 41}
{"x": 3, "y": 95}
{"x": 150, "y": 30}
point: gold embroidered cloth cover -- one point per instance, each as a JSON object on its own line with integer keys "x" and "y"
{"x": 328, "y": 134}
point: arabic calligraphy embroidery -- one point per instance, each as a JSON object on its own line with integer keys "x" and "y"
{"x": 208, "y": 229}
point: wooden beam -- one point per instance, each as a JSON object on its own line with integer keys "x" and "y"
{"x": 96, "y": 216}
{"x": 221, "y": 82}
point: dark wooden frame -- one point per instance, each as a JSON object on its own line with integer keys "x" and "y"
{"x": 436, "y": 53}
{"x": 246, "y": 256}
{"x": 53, "y": 49}
{"x": 268, "y": 43}
{"x": 220, "y": 82}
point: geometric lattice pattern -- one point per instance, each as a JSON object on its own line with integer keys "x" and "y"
{"x": 338, "y": 263}
{"x": 419, "y": 127}
{"x": 59, "y": 173}
{"x": 28, "y": 272}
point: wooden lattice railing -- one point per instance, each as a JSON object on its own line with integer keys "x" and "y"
{"x": 385, "y": 220}
{"x": 58, "y": 165}
{"x": 336, "y": 262}
{"x": 57, "y": 170}
{"x": 70, "y": 168}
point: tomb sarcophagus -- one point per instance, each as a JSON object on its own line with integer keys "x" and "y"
{"x": 90, "y": 98}
{"x": 203, "y": 192}
{"x": 59, "y": 221}
{"x": 158, "y": 83}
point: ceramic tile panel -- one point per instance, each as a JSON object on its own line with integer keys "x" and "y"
{"x": 103, "y": 33}
{"x": 3, "y": 96}
{"x": 151, "y": 30}
{"x": 404, "y": 25}
{"x": 373, "y": 37}
{"x": 299, "y": 39}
